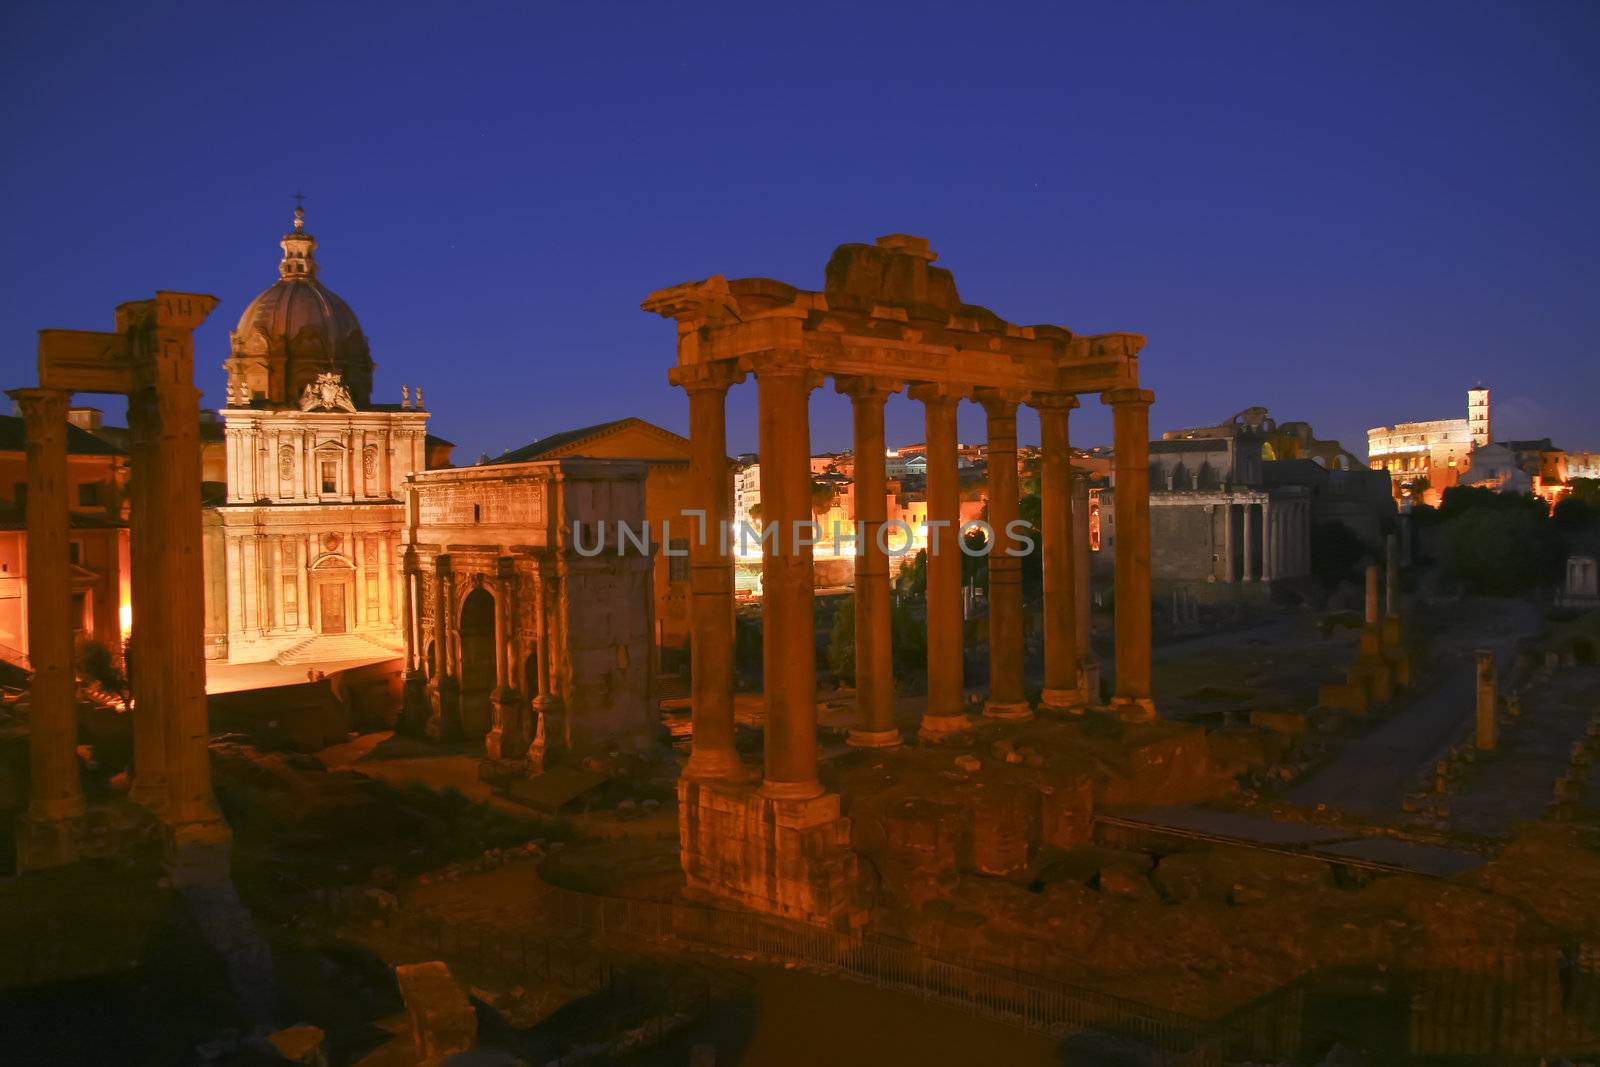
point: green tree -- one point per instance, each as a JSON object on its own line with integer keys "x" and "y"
{"x": 842, "y": 642}
{"x": 1500, "y": 551}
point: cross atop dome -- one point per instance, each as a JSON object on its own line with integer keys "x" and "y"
{"x": 299, "y": 246}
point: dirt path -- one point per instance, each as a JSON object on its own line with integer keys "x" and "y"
{"x": 1370, "y": 776}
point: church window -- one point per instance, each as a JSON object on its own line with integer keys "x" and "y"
{"x": 330, "y": 476}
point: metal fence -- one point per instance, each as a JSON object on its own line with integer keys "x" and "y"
{"x": 1017, "y": 998}
{"x": 1529, "y": 1003}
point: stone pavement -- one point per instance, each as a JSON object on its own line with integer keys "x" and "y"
{"x": 1372, "y": 773}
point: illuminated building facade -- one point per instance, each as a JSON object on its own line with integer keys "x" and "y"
{"x": 1430, "y": 454}
{"x": 97, "y": 534}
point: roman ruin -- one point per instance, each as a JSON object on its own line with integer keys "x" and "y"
{"x": 886, "y": 318}
{"x": 149, "y": 358}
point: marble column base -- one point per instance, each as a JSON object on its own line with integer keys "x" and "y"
{"x": 1018, "y": 710}
{"x": 936, "y": 726}
{"x": 444, "y": 711}
{"x": 718, "y": 765}
{"x": 1062, "y": 701}
{"x": 1134, "y": 709}
{"x": 874, "y": 739}
{"x": 46, "y": 843}
{"x": 775, "y": 855}
{"x": 414, "y": 705}
{"x": 505, "y": 740}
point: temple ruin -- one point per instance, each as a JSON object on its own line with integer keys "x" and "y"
{"x": 887, "y": 319}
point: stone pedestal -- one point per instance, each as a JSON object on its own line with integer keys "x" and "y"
{"x": 779, "y": 856}
{"x": 45, "y": 843}
{"x": 444, "y": 711}
{"x": 1487, "y": 733}
{"x": 414, "y": 710}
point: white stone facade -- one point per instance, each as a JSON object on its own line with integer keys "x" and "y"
{"x": 309, "y": 536}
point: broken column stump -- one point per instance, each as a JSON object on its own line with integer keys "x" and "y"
{"x": 443, "y": 1021}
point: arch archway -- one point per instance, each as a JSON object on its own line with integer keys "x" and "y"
{"x": 477, "y": 632}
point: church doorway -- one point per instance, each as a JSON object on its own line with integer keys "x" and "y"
{"x": 477, "y": 662}
{"x": 331, "y": 607}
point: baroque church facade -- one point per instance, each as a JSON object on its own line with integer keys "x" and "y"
{"x": 303, "y": 554}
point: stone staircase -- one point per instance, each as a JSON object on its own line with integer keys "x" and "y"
{"x": 334, "y": 648}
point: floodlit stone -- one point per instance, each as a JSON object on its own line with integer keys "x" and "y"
{"x": 301, "y": 1044}
{"x": 442, "y": 1019}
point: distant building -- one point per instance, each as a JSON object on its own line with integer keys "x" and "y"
{"x": 97, "y": 534}
{"x": 1432, "y": 454}
{"x": 1237, "y": 502}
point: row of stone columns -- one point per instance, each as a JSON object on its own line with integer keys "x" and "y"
{"x": 783, "y": 387}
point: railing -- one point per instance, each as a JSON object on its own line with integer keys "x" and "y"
{"x": 1017, "y": 998}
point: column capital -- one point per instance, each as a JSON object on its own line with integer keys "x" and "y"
{"x": 1129, "y": 396}
{"x": 506, "y": 567}
{"x": 935, "y": 394}
{"x": 782, "y": 363}
{"x": 696, "y": 377}
{"x": 42, "y": 408}
{"x": 998, "y": 401}
{"x": 1053, "y": 401}
{"x": 866, "y": 387}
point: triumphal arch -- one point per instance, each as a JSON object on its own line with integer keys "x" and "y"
{"x": 887, "y": 319}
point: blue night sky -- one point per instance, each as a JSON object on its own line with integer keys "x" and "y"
{"x": 1346, "y": 212}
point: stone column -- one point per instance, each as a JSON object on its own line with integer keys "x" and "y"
{"x": 1229, "y": 573}
{"x": 1083, "y": 556}
{"x": 505, "y": 739}
{"x": 874, "y": 652}
{"x": 442, "y": 722}
{"x": 788, "y": 646}
{"x": 385, "y": 578}
{"x": 1487, "y": 735}
{"x": 359, "y": 546}
{"x": 1391, "y": 618}
{"x": 1007, "y": 699}
{"x": 149, "y": 789}
{"x": 1372, "y": 596}
{"x": 539, "y": 746}
{"x": 55, "y": 794}
{"x": 1250, "y": 574}
{"x": 1062, "y": 685}
{"x": 1269, "y": 545}
{"x": 408, "y": 632}
{"x": 711, "y": 601}
{"x": 178, "y": 652}
{"x": 946, "y": 667}
{"x": 1130, "y": 414}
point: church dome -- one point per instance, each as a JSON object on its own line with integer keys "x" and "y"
{"x": 296, "y": 331}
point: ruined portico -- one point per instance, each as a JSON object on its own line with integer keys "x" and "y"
{"x": 149, "y": 358}
{"x": 887, "y": 318}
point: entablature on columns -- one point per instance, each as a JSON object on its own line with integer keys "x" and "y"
{"x": 867, "y": 386}
{"x": 1052, "y": 401}
{"x": 886, "y": 309}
